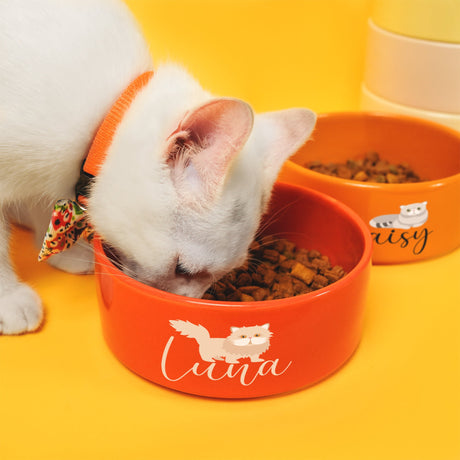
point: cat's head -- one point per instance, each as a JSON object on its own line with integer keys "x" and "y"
{"x": 414, "y": 209}
{"x": 187, "y": 179}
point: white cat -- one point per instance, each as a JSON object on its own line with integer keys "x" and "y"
{"x": 187, "y": 175}
{"x": 411, "y": 215}
{"x": 243, "y": 342}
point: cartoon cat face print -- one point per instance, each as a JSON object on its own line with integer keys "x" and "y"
{"x": 413, "y": 209}
{"x": 254, "y": 335}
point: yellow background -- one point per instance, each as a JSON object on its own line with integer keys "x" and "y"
{"x": 64, "y": 396}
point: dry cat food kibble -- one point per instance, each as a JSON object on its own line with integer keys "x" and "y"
{"x": 371, "y": 168}
{"x": 276, "y": 269}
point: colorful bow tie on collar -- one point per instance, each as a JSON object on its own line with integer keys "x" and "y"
{"x": 68, "y": 224}
{"x": 69, "y": 220}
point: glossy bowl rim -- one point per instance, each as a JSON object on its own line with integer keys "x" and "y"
{"x": 405, "y": 188}
{"x": 251, "y": 307}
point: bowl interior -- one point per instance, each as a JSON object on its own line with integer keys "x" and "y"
{"x": 315, "y": 221}
{"x": 433, "y": 151}
{"x": 309, "y": 219}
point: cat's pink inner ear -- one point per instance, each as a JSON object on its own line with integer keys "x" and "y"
{"x": 207, "y": 139}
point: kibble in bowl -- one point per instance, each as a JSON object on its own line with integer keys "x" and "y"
{"x": 276, "y": 269}
{"x": 400, "y": 174}
{"x": 250, "y": 347}
{"x": 367, "y": 168}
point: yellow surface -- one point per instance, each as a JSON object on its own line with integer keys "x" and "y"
{"x": 64, "y": 396}
{"x": 272, "y": 53}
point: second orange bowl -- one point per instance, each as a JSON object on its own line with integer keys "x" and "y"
{"x": 432, "y": 150}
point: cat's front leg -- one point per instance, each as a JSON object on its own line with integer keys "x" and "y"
{"x": 20, "y": 310}
{"x": 256, "y": 359}
{"x": 20, "y": 307}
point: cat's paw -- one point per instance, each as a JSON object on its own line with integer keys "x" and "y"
{"x": 78, "y": 259}
{"x": 20, "y": 311}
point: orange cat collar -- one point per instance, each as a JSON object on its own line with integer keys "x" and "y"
{"x": 69, "y": 220}
{"x": 104, "y": 136}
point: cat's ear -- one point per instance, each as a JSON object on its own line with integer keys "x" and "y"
{"x": 201, "y": 149}
{"x": 234, "y": 329}
{"x": 266, "y": 326}
{"x": 283, "y": 133}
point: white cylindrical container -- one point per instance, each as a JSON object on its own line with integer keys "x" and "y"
{"x": 413, "y": 75}
{"x": 373, "y": 103}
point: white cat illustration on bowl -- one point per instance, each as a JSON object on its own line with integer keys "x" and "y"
{"x": 410, "y": 215}
{"x": 243, "y": 342}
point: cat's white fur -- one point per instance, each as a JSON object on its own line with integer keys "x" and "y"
{"x": 62, "y": 65}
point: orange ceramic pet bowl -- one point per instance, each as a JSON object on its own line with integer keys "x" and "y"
{"x": 305, "y": 338}
{"x": 432, "y": 224}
